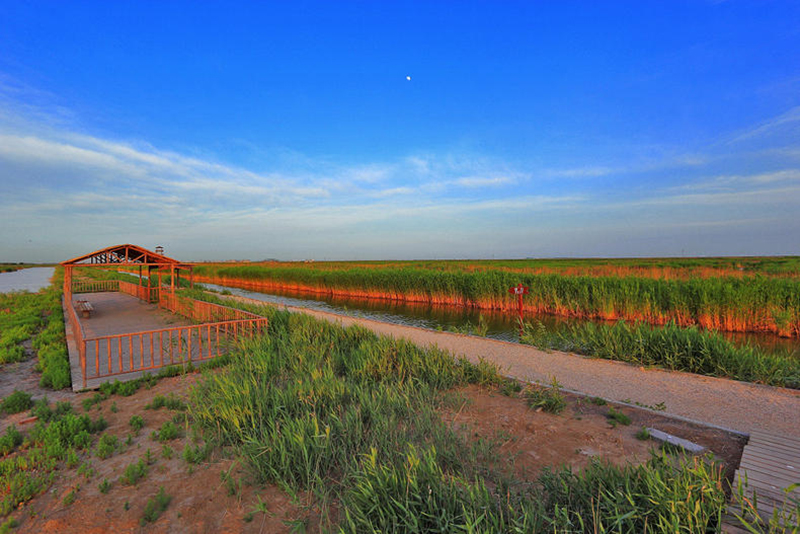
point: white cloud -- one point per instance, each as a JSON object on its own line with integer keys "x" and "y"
{"x": 481, "y": 181}
{"x": 787, "y": 119}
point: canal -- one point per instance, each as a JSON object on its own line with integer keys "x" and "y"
{"x": 501, "y": 326}
{"x": 30, "y": 279}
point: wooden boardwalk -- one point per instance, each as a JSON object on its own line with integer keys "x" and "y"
{"x": 770, "y": 463}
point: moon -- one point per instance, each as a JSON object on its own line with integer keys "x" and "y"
{"x": 408, "y": 78}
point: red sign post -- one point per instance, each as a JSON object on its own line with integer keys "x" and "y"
{"x": 519, "y": 290}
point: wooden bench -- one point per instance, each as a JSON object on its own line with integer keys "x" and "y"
{"x": 85, "y": 308}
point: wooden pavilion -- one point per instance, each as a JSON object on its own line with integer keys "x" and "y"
{"x": 126, "y": 257}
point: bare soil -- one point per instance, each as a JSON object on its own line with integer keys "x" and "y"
{"x": 533, "y": 440}
{"x": 528, "y": 441}
{"x": 200, "y": 500}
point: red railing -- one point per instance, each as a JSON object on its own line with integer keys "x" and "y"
{"x": 147, "y": 294}
{"x": 94, "y": 286}
{"x": 203, "y": 312}
{"x": 78, "y": 336}
{"x": 153, "y": 349}
{"x": 106, "y": 356}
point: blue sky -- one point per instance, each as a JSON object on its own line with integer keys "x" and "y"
{"x": 290, "y": 130}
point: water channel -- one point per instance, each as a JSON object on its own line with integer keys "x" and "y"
{"x": 30, "y": 279}
{"x": 501, "y": 326}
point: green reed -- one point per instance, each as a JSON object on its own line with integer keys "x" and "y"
{"x": 729, "y": 303}
{"x": 671, "y": 347}
{"x": 355, "y": 419}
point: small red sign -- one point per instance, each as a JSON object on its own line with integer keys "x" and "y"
{"x": 519, "y": 290}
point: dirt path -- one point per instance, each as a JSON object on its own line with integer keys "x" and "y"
{"x": 719, "y": 402}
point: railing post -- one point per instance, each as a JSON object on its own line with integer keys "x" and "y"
{"x": 83, "y": 360}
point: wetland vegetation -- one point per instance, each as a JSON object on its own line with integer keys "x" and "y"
{"x": 730, "y": 294}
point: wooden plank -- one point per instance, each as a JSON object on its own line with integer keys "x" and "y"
{"x": 761, "y": 446}
{"x": 769, "y": 453}
{"x": 761, "y": 458}
{"x": 788, "y": 446}
{"x": 787, "y": 478}
{"x": 766, "y": 468}
{"x": 778, "y": 477}
{"x": 774, "y": 438}
{"x": 783, "y": 456}
{"x": 756, "y": 481}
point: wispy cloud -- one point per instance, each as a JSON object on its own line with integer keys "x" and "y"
{"x": 790, "y": 118}
{"x": 58, "y": 182}
{"x": 484, "y": 181}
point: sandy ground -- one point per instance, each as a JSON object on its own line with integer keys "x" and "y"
{"x": 729, "y": 404}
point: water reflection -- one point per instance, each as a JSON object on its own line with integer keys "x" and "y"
{"x": 30, "y": 279}
{"x": 501, "y": 326}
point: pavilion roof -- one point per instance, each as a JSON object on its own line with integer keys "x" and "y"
{"x": 124, "y": 255}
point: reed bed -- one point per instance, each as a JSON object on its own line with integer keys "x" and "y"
{"x": 756, "y": 303}
{"x": 671, "y": 347}
{"x": 344, "y": 417}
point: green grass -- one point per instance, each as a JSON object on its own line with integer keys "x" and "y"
{"x": 671, "y": 347}
{"x": 354, "y": 419}
{"x": 548, "y": 399}
{"x": 171, "y": 402}
{"x": 28, "y": 470}
{"x": 616, "y": 417}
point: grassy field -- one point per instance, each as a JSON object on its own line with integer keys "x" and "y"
{"x": 352, "y": 419}
{"x": 350, "y": 427}
{"x": 37, "y": 317}
{"x": 730, "y": 294}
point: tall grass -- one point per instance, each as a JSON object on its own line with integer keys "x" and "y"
{"x": 754, "y": 303}
{"x": 671, "y": 347}
{"x": 353, "y": 418}
{"x": 40, "y": 317}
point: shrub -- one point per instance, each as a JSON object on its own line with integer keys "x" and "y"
{"x": 167, "y": 432}
{"x": 18, "y": 401}
{"x": 155, "y": 506}
{"x": 106, "y": 446}
{"x": 196, "y": 454}
{"x": 10, "y": 440}
{"x": 134, "y": 473}
{"x": 136, "y": 422}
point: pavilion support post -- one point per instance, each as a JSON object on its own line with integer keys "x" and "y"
{"x": 172, "y": 279}
{"x": 191, "y": 277}
{"x": 159, "y": 285}
{"x": 68, "y": 284}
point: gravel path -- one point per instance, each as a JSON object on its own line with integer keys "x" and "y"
{"x": 719, "y": 402}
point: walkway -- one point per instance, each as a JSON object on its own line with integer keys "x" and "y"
{"x": 732, "y": 405}
{"x": 769, "y": 465}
